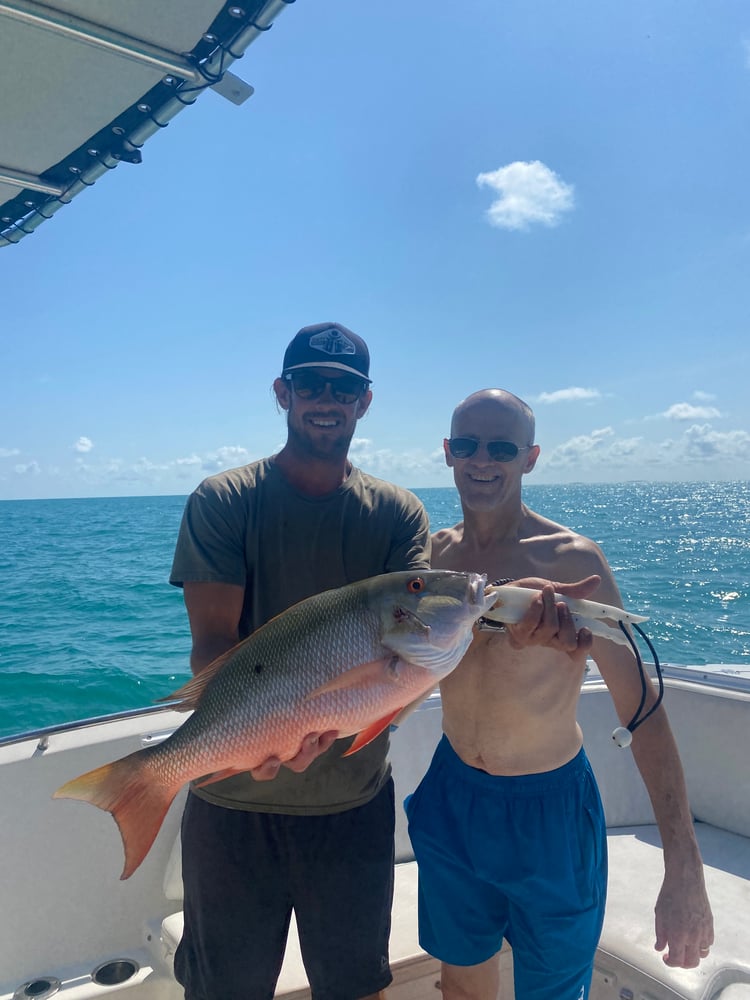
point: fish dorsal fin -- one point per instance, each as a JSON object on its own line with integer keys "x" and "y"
{"x": 361, "y": 674}
{"x": 190, "y": 694}
{"x": 368, "y": 735}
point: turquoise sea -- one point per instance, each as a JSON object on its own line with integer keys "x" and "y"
{"x": 89, "y": 624}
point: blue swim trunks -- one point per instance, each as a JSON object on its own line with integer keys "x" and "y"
{"x": 522, "y": 858}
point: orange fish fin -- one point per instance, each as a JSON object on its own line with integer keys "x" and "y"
{"x": 408, "y": 709}
{"x": 137, "y": 802}
{"x": 209, "y": 779}
{"x": 190, "y": 694}
{"x": 368, "y": 735}
{"x": 361, "y": 674}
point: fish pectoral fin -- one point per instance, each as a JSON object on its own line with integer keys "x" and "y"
{"x": 367, "y": 735}
{"x": 412, "y": 706}
{"x": 363, "y": 673}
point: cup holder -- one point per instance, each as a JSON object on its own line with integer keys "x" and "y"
{"x": 38, "y": 989}
{"x": 114, "y": 972}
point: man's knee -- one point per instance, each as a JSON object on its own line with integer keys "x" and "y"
{"x": 471, "y": 982}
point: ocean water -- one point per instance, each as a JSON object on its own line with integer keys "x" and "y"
{"x": 89, "y": 624}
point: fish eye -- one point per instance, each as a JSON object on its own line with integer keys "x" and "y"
{"x": 415, "y": 585}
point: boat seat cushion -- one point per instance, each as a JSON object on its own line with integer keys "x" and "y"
{"x": 636, "y": 871}
{"x": 635, "y": 875}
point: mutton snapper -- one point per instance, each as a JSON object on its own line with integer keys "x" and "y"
{"x": 351, "y": 659}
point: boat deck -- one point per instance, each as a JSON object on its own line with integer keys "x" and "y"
{"x": 72, "y": 856}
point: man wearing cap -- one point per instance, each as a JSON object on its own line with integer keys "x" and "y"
{"x": 317, "y": 838}
{"x": 315, "y": 835}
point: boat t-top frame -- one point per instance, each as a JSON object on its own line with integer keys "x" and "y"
{"x": 86, "y": 82}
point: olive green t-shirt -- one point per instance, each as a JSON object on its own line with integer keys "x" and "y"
{"x": 248, "y": 527}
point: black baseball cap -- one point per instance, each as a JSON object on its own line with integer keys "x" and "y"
{"x": 328, "y": 345}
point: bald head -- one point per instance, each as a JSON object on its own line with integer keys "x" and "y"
{"x": 498, "y": 403}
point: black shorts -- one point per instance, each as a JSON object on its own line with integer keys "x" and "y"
{"x": 244, "y": 872}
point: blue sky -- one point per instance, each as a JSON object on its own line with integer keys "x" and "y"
{"x": 549, "y": 198}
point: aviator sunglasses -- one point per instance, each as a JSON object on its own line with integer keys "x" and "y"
{"x": 309, "y": 385}
{"x": 499, "y": 451}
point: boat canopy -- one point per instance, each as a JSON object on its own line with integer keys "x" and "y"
{"x": 85, "y": 83}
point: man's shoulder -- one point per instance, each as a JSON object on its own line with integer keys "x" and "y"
{"x": 443, "y": 545}
{"x": 444, "y": 536}
{"x": 385, "y": 490}
{"x": 562, "y": 544}
{"x": 537, "y": 526}
{"x": 235, "y": 481}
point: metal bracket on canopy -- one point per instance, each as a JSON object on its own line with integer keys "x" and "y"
{"x": 233, "y": 88}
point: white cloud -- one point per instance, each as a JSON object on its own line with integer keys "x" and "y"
{"x": 9, "y": 452}
{"x": 226, "y": 457}
{"x": 702, "y": 442}
{"x": 29, "y": 469}
{"x": 601, "y": 449}
{"x": 83, "y": 445}
{"x": 414, "y": 467}
{"x": 528, "y": 193}
{"x": 686, "y": 411}
{"x": 703, "y": 397}
{"x": 579, "y": 447}
{"x": 570, "y": 395}
{"x": 191, "y": 462}
{"x": 147, "y": 474}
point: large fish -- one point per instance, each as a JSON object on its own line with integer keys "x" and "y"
{"x": 352, "y": 659}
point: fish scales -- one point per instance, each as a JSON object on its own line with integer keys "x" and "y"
{"x": 348, "y": 660}
{"x": 280, "y": 705}
{"x": 272, "y": 677}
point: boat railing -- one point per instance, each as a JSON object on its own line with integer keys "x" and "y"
{"x": 729, "y": 676}
{"x": 43, "y": 735}
{"x": 726, "y": 676}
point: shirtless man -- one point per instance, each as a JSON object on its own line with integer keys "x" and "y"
{"x": 507, "y": 825}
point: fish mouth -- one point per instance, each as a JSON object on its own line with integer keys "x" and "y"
{"x": 480, "y": 593}
{"x": 402, "y": 614}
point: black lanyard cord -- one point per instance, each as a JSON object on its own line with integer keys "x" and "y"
{"x": 637, "y": 719}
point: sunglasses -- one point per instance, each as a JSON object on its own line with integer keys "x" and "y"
{"x": 499, "y": 451}
{"x": 309, "y": 385}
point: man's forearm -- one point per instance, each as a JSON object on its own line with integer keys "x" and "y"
{"x": 658, "y": 760}
{"x": 207, "y": 650}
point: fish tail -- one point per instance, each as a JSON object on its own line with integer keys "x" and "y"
{"x": 137, "y": 800}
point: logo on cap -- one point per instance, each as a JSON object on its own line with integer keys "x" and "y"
{"x": 332, "y": 341}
